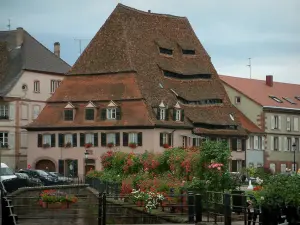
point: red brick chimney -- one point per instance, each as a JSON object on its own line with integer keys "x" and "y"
{"x": 269, "y": 80}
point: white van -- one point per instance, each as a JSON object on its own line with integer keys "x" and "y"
{"x": 6, "y": 173}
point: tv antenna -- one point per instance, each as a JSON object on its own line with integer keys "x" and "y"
{"x": 250, "y": 67}
{"x": 80, "y": 42}
{"x": 8, "y": 25}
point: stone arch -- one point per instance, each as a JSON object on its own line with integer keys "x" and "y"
{"x": 45, "y": 162}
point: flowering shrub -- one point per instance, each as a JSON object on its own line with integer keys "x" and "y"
{"x": 110, "y": 145}
{"x": 151, "y": 199}
{"x": 53, "y": 196}
{"x": 166, "y": 146}
{"x": 106, "y": 159}
{"x": 88, "y": 145}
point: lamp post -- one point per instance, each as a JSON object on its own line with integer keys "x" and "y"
{"x": 85, "y": 160}
{"x": 294, "y": 148}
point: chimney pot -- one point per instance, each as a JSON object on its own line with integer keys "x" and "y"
{"x": 149, "y": 11}
{"x": 19, "y": 36}
{"x": 269, "y": 80}
{"x": 57, "y": 49}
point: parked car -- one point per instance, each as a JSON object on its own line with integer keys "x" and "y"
{"x": 46, "y": 178}
{"x": 31, "y": 181}
{"x": 6, "y": 173}
{"x": 62, "y": 177}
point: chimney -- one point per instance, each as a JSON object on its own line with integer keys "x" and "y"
{"x": 19, "y": 36}
{"x": 149, "y": 11}
{"x": 57, "y": 49}
{"x": 269, "y": 80}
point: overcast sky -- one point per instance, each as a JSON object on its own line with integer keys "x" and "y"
{"x": 268, "y": 31}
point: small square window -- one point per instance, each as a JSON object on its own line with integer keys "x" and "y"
{"x": 89, "y": 114}
{"x": 237, "y": 99}
{"x": 68, "y": 114}
{"x": 111, "y": 113}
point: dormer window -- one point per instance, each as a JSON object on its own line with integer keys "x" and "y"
{"x": 111, "y": 113}
{"x": 68, "y": 114}
{"x": 90, "y": 111}
{"x": 166, "y": 51}
{"x": 276, "y": 99}
{"x": 188, "y": 52}
{"x": 162, "y": 112}
{"x": 289, "y": 100}
{"x": 297, "y": 97}
{"x": 178, "y": 113}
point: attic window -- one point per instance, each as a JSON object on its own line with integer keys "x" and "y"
{"x": 160, "y": 85}
{"x": 188, "y": 52}
{"x": 231, "y": 117}
{"x": 275, "y": 99}
{"x": 200, "y": 102}
{"x": 297, "y": 97}
{"x": 289, "y": 100}
{"x": 183, "y": 76}
{"x": 68, "y": 114}
{"x": 165, "y": 51}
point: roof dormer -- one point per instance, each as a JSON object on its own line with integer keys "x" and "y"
{"x": 90, "y": 111}
{"x": 69, "y": 106}
{"x": 90, "y": 105}
{"x": 112, "y": 104}
{"x": 162, "y": 105}
{"x": 69, "y": 112}
{"x": 177, "y": 106}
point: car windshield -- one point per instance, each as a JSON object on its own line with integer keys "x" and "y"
{"x": 42, "y": 173}
{"x": 5, "y": 171}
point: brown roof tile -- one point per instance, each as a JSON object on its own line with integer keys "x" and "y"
{"x": 247, "y": 124}
{"x": 220, "y": 132}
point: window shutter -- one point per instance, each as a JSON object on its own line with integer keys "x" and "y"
{"x": 272, "y": 122}
{"x": 74, "y": 137}
{"x": 167, "y": 114}
{"x": 52, "y": 140}
{"x": 118, "y": 113}
{"x": 279, "y": 122}
{"x": 248, "y": 143}
{"x": 11, "y": 140}
{"x": 288, "y": 123}
{"x": 194, "y": 141}
{"x": 96, "y": 139}
{"x": 296, "y": 124}
{"x": 61, "y": 140}
{"x": 11, "y": 111}
{"x": 140, "y": 139}
{"x": 255, "y": 142}
{"x": 243, "y": 145}
{"x": 125, "y": 139}
{"x": 174, "y": 114}
{"x": 170, "y": 139}
{"x": 75, "y": 166}
{"x": 293, "y": 141}
{"x": 234, "y": 144}
{"x": 103, "y": 114}
{"x": 40, "y": 141}
{"x": 161, "y": 139}
{"x": 158, "y": 114}
{"x": 272, "y": 143}
{"x": 117, "y": 139}
{"x": 61, "y": 166}
{"x": 82, "y": 139}
{"x": 262, "y": 143}
{"x": 182, "y": 115}
{"x": 279, "y": 144}
{"x": 103, "y": 139}
{"x": 285, "y": 144}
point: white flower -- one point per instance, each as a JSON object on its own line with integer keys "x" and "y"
{"x": 262, "y": 198}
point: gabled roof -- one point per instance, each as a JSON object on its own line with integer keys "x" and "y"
{"x": 31, "y": 55}
{"x": 259, "y": 92}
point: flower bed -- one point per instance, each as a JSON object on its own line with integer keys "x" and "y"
{"x": 53, "y": 199}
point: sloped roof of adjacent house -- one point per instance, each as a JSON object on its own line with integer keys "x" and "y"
{"x": 30, "y": 55}
{"x": 125, "y": 62}
{"x": 263, "y": 94}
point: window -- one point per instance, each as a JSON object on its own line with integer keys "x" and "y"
{"x": 283, "y": 168}
{"x": 276, "y": 99}
{"x": 178, "y": 115}
{"x": 239, "y": 144}
{"x": 289, "y": 100}
{"x": 24, "y": 112}
{"x": 162, "y": 113}
{"x": 68, "y": 114}
{"x": 4, "y": 112}
{"x": 200, "y": 102}
{"x": 297, "y": 97}
{"x": 275, "y": 120}
{"x": 197, "y": 141}
{"x": 276, "y": 143}
{"x": 297, "y": 144}
{"x": 111, "y": 138}
{"x": 237, "y": 100}
{"x": 24, "y": 139}
{"x": 165, "y": 139}
{"x": 166, "y": 51}
{"x": 89, "y": 139}
{"x": 296, "y": 124}
{"x": 273, "y": 167}
{"x": 68, "y": 139}
{"x": 54, "y": 84}
{"x": 188, "y": 52}
{"x": 184, "y": 76}
{"x": 36, "y": 86}
{"x": 47, "y": 139}
{"x": 251, "y": 140}
{"x": 111, "y": 113}
{"x": 35, "y": 111}
{"x": 289, "y": 144}
{"x": 89, "y": 114}
{"x": 133, "y": 138}
{"x": 288, "y": 123}
{"x": 3, "y": 139}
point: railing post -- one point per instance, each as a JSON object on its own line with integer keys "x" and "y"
{"x": 191, "y": 207}
{"x": 103, "y": 209}
{"x": 227, "y": 209}
{"x": 198, "y": 207}
{"x": 100, "y": 202}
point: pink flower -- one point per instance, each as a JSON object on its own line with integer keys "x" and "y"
{"x": 219, "y": 168}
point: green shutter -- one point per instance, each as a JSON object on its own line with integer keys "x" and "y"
{"x": 74, "y": 136}
{"x": 161, "y": 139}
{"x": 182, "y": 115}
{"x": 103, "y": 114}
{"x": 40, "y": 141}
{"x": 140, "y": 139}
{"x": 52, "y": 140}
{"x": 118, "y": 113}
{"x": 96, "y": 139}
{"x": 125, "y": 139}
{"x": 103, "y": 139}
{"x": 82, "y": 139}
{"x": 61, "y": 141}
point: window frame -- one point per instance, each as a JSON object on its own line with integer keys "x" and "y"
{"x": 289, "y": 144}
{"x": 45, "y": 140}
{"x": 4, "y": 111}
{"x": 133, "y": 138}
{"x": 276, "y": 122}
{"x": 89, "y": 140}
{"x": 276, "y": 143}
{"x": 178, "y": 115}
{"x": 87, "y": 114}
{"x": 165, "y": 138}
{"x": 237, "y": 99}
{"x": 111, "y": 113}
{"x": 54, "y": 84}
{"x": 4, "y": 142}
{"x": 113, "y": 138}
{"x": 36, "y": 86}
{"x": 162, "y": 113}
{"x": 66, "y": 117}
{"x": 66, "y": 140}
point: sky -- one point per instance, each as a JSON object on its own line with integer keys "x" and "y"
{"x": 231, "y": 31}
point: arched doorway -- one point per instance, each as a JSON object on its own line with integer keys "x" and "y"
{"x": 45, "y": 164}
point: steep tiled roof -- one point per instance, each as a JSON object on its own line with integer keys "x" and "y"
{"x": 248, "y": 124}
{"x": 32, "y": 55}
{"x": 129, "y": 42}
{"x": 259, "y": 92}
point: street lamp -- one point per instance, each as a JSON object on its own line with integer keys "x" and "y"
{"x": 294, "y": 148}
{"x": 85, "y": 157}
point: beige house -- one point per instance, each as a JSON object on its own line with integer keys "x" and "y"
{"x": 29, "y": 75}
{"x": 275, "y": 108}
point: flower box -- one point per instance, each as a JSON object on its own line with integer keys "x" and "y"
{"x": 88, "y": 145}
{"x": 55, "y": 205}
{"x": 166, "y": 146}
{"x": 132, "y": 145}
{"x": 46, "y": 145}
{"x": 110, "y": 145}
{"x": 68, "y": 145}
{"x": 52, "y": 199}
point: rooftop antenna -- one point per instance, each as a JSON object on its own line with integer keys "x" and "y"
{"x": 8, "y": 25}
{"x": 80, "y": 42}
{"x": 250, "y": 67}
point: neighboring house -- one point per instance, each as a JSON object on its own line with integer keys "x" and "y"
{"x": 29, "y": 74}
{"x": 275, "y": 108}
{"x": 145, "y": 80}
